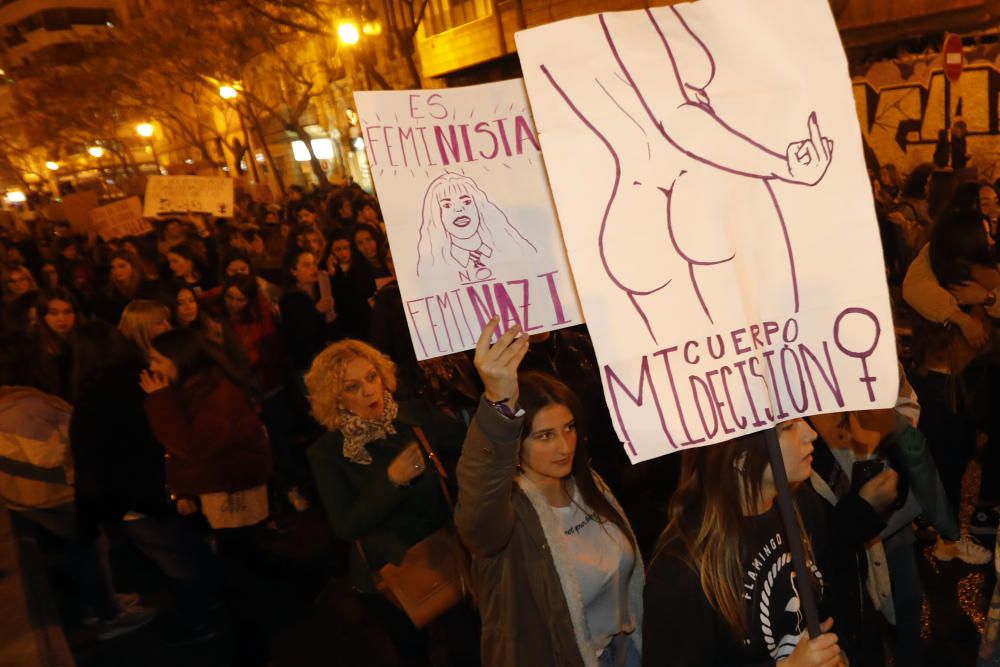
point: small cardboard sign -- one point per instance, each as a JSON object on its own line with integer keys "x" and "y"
{"x": 120, "y": 218}
{"x": 167, "y": 195}
{"x": 77, "y": 208}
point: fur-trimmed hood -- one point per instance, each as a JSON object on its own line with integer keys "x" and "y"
{"x": 566, "y": 568}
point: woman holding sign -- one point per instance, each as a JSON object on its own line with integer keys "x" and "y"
{"x": 555, "y": 565}
{"x": 721, "y": 587}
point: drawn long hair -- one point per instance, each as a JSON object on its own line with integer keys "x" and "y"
{"x": 495, "y": 230}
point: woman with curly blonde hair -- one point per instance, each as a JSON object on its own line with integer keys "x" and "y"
{"x": 371, "y": 473}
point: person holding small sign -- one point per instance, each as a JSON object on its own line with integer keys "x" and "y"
{"x": 721, "y": 589}
{"x": 555, "y": 565}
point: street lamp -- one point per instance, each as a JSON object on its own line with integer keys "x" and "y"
{"x": 348, "y": 32}
{"x": 146, "y": 130}
{"x": 96, "y": 151}
{"x": 227, "y": 92}
{"x": 52, "y": 166}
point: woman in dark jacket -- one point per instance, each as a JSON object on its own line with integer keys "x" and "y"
{"x": 375, "y": 481}
{"x": 125, "y": 283}
{"x": 214, "y": 440}
{"x": 371, "y": 474}
{"x": 217, "y": 453}
{"x": 310, "y": 321}
{"x": 119, "y": 468}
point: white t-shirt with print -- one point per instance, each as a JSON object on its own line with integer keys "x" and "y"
{"x": 604, "y": 559}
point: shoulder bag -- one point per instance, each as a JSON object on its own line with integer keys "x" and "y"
{"x": 433, "y": 576}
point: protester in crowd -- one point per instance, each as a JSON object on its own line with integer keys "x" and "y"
{"x": 17, "y": 280}
{"x": 724, "y": 554}
{"x": 238, "y": 263}
{"x": 369, "y": 213}
{"x": 119, "y": 469}
{"x": 376, "y": 482}
{"x": 142, "y": 321}
{"x": 960, "y": 287}
{"x": 310, "y": 319}
{"x": 141, "y": 247}
{"x": 52, "y": 358}
{"x": 222, "y": 341}
{"x": 125, "y": 283}
{"x": 372, "y": 246}
{"x": 353, "y": 284}
{"x": 49, "y": 275}
{"x": 36, "y": 485}
{"x": 189, "y": 268}
{"x": 219, "y": 462}
{"x": 525, "y": 480}
{"x": 248, "y": 312}
{"x": 172, "y": 233}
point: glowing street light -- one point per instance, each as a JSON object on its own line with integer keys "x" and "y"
{"x": 52, "y": 166}
{"x": 144, "y": 129}
{"x": 96, "y": 151}
{"x": 227, "y": 92}
{"x": 372, "y": 28}
{"x": 348, "y": 32}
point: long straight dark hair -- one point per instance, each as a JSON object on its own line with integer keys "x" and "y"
{"x": 707, "y": 526}
{"x": 540, "y": 390}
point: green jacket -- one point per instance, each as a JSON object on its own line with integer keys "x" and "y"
{"x": 523, "y": 571}
{"x": 362, "y": 504}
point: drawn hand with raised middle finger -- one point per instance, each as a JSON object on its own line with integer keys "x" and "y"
{"x": 809, "y": 159}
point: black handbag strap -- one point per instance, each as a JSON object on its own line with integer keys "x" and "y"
{"x": 442, "y": 474}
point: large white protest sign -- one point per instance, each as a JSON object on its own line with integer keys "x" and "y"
{"x": 120, "y": 218}
{"x": 468, "y": 211}
{"x": 706, "y": 163}
{"x": 183, "y": 194}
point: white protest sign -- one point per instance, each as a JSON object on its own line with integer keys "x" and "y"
{"x": 120, "y": 218}
{"x": 195, "y": 194}
{"x": 468, "y": 211}
{"x": 706, "y": 163}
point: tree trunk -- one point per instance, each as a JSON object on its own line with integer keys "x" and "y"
{"x": 408, "y": 52}
{"x": 304, "y": 137}
{"x": 259, "y": 131}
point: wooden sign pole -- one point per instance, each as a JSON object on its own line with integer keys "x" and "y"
{"x": 793, "y": 536}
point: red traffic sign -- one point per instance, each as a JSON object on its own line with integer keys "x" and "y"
{"x": 954, "y": 58}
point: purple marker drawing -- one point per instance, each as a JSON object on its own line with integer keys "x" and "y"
{"x": 705, "y": 154}
{"x": 461, "y": 229}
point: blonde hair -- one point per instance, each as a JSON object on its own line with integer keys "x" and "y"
{"x": 8, "y": 272}
{"x": 137, "y": 319}
{"x": 325, "y": 379}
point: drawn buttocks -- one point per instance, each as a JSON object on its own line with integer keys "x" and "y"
{"x": 856, "y": 332}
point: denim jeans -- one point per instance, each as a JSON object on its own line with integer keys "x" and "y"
{"x": 621, "y": 652}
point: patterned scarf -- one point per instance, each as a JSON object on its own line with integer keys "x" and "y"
{"x": 359, "y": 432}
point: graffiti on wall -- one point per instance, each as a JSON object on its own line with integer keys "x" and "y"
{"x": 903, "y": 105}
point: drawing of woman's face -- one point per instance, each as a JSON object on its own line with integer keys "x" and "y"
{"x": 459, "y": 214}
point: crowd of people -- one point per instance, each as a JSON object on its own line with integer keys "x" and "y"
{"x": 188, "y": 386}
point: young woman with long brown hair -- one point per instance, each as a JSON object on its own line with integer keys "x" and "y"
{"x": 721, "y": 589}
{"x": 555, "y": 565}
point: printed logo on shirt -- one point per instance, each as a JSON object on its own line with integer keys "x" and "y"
{"x": 773, "y": 592}
{"x": 575, "y": 529}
